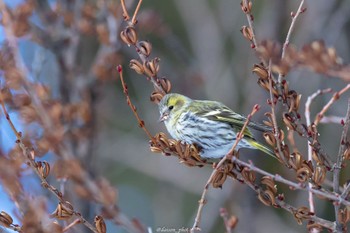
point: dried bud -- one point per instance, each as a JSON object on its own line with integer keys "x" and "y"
{"x": 151, "y": 67}
{"x": 247, "y": 33}
{"x": 261, "y": 71}
{"x": 63, "y": 211}
{"x": 248, "y": 175}
{"x": 319, "y": 175}
{"x": 270, "y": 138}
{"x": 270, "y": 184}
{"x": 100, "y": 224}
{"x": 5, "y": 219}
{"x": 44, "y": 168}
{"x": 301, "y": 214}
{"x": 296, "y": 160}
{"x": 129, "y": 36}
{"x": 267, "y": 197}
{"x": 145, "y": 48}
{"x": 288, "y": 121}
{"x": 137, "y": 66}
{"x": 165, "y": 84}
{"x": 156, "y": 97}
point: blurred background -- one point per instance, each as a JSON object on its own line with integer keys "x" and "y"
{"x": 73, "y": 46}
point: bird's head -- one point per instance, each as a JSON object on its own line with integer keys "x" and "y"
{"x": 172, "y": 105}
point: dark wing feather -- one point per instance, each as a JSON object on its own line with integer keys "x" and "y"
{"x": 218, "y": 112}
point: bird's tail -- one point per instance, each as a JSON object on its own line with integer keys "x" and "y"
{"x": 262, "y": 148}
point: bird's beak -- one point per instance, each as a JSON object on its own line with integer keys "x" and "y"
{"x": 164, "y": 116}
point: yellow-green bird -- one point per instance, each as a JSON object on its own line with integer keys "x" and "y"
{"x": 210, "y": 125}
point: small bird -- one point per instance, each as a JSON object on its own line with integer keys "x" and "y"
{"x": 210, "y": 125}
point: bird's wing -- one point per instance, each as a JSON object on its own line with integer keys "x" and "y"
{"x": 219, "y": 112}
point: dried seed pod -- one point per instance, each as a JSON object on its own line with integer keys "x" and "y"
{"x": 100, "y": 224}
{"x": 319, "y": 175}
{"x": 136, "y": 66}
{"x": 267, "y": 197}
{"x": 156, "y": 97}
{"x": 261, "y": 71}
{"x": 63, "y": 211}
{"x": 165, "y": 84}
{"x": 145, "y": 48}
{"x": 219, "y": 179}
{"x": 129, "y": 36}
{"x": 270, "y": 138}
{"x": 302, "y": 213}
{"x": 269, "y": 183}
{"x": 151, "y": 67}
{"x": 44, "y": 168}
{"x": 288, "y": 121}
{"x": 248, "y": 175}
{"x": 296, "y": 160}
{"x": 247, "y": 32}
{"x": 5, "y": 219}
{"x": 305, "y": 172}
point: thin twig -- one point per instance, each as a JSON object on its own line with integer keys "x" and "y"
{"x": 228, "y": 156}
{"x": 335, "y": 97}
{"x": 125, "y": 12}
{"x": 291, "y": 28}
{"x": 291, "y": 184}
{"x": 274, "y": 121}
{"x": 133, "y": 20}
{"x": 338, "y": 165}
{"x": 282, "y": 204}
{"x": 310, "y": 99}
{"x": 133, "y": 108}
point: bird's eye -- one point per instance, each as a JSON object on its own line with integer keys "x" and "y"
{"x": 171, "y": 107}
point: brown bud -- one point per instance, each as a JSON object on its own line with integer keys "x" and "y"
{"x": 145, "y": 48}
{"x": 129, "y": 36}
{"x": 137, "y": 66}
{"x": 261, "y": 71}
